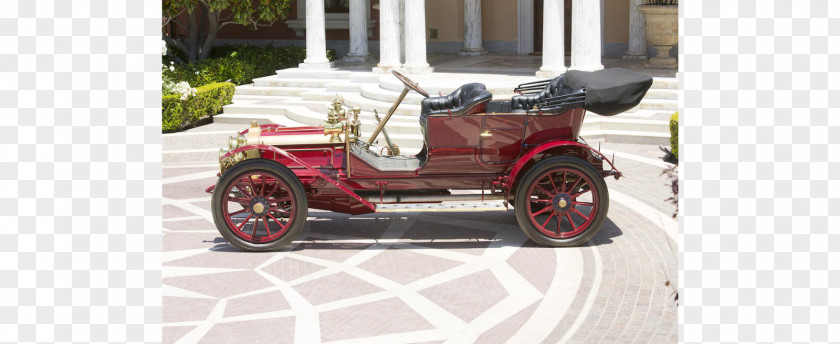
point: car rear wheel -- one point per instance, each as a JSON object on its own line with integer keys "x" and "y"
{"x": 561, "y": 201}
{"x": 259, "y": 205}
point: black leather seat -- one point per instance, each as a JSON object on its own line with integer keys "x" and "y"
{"x": 459, "y": 102}
{"x": 526, "y": 102}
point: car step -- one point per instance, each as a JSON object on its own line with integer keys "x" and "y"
{"x": 442, "y": 207}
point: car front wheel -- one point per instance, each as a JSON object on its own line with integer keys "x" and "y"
{"x": 259, "y": 205}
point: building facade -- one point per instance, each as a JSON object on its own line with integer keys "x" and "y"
{"x": 400, "y": 33}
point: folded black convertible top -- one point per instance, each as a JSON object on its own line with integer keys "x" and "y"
{"x": 609, "y": 91}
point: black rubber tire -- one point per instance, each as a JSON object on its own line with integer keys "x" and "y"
{"x": 520, "y": 206}
{"x": 296, "y": 190}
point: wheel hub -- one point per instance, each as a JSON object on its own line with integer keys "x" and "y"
{"x": 258, "y": 206}
{"x": 561, "y": 202}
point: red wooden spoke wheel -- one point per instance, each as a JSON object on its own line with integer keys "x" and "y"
{"x": 259, "y": 205}
{"x": 561, "y": 201}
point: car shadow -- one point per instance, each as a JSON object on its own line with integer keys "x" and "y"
{"x": 421, "y": 235}
{"x": 609, "y": 230}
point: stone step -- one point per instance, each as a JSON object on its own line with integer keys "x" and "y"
{"x": 314, "y": 73}
{"x": 365, "y": 77}
{"x": 244, "y": 99}
{"x": 343, "y": 86}
{"x": 322, "y": 96}
{"x": 259, "y": 109}
{"x": 665, "y": 83}
{"x": 311, "y": 116}
{"x": 382, "y": 107}
{"x": 275, "y": 81}
{"x": 645, "y": 114}
{"x": 318, "y": 103}
{"x": 659, "y": 104}
{"x": 662, "y": 94}
{"x": 254, "y": 90}
{"x": 378, "y": 93}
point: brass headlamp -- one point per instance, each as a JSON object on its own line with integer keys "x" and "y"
{"x": 334, "y": 126}
{"x": 234, "y": 142}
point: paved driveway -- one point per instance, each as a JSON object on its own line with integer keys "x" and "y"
{"x": 409, "y": 278}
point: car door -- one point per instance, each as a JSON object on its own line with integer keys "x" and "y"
{"x": 501, "y": 138}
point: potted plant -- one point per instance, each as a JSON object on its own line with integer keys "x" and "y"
{"x": 661, "y": 30}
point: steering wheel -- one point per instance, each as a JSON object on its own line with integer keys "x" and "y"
{"x": 410, "y": 83}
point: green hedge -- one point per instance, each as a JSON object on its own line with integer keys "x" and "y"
{"x": 674, "y": 124}
{"x": 208, "y": 101}
{"x": 239, "y": 64}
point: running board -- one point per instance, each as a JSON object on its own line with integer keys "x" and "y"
{"x": 441, "y": 207}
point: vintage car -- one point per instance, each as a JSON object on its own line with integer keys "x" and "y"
{"x": 522, "y": 152}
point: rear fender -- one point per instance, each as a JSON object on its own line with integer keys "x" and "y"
{"x": 523, "y": 161}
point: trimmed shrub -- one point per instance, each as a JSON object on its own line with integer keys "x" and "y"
{"x": 674, "y": 126}
{"x": 208, "y": 101}
{"x": 239, "y": 64}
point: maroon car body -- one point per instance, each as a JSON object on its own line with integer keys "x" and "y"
{"x": 486, "y": 145}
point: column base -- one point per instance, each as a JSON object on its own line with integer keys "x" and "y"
{"x": 316, "y": 65}
{"x": 549, "y": 73}
{"x": 418, "y": 69}
{"x": 384, "y": 68}
{"x": 587, "y": 68}
{"x": 356, "y": 58}
{"x": 472, "y": 52}
{"x": 635, "y": 55}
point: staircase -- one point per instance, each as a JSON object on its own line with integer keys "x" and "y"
{"x": 295, "y": 97}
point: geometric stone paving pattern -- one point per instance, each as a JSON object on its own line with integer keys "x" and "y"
{"x": 427, "y": 277}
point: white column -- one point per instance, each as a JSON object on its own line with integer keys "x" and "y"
{"x": 553, "y": 51}
{"x": 316, "y": 42}
{"x": 415, "y": 37}
{"x": 586, "y": 35}
{"x": 472, "y": 29}
{"x": 636, "y": 44}
{"x": 358, "y": 32}
{"x": 389, "y": 36}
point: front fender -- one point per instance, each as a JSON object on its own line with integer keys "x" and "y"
{"x": 314, "y": 171}
{"x": 520, "y": 163}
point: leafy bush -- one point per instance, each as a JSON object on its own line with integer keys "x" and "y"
{"x": 239, "y": 64}
{"x": 208, "y": 101}
{"x": 674, "y": 124}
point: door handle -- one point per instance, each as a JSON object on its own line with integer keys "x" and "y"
{"x": 485, "y": 133}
